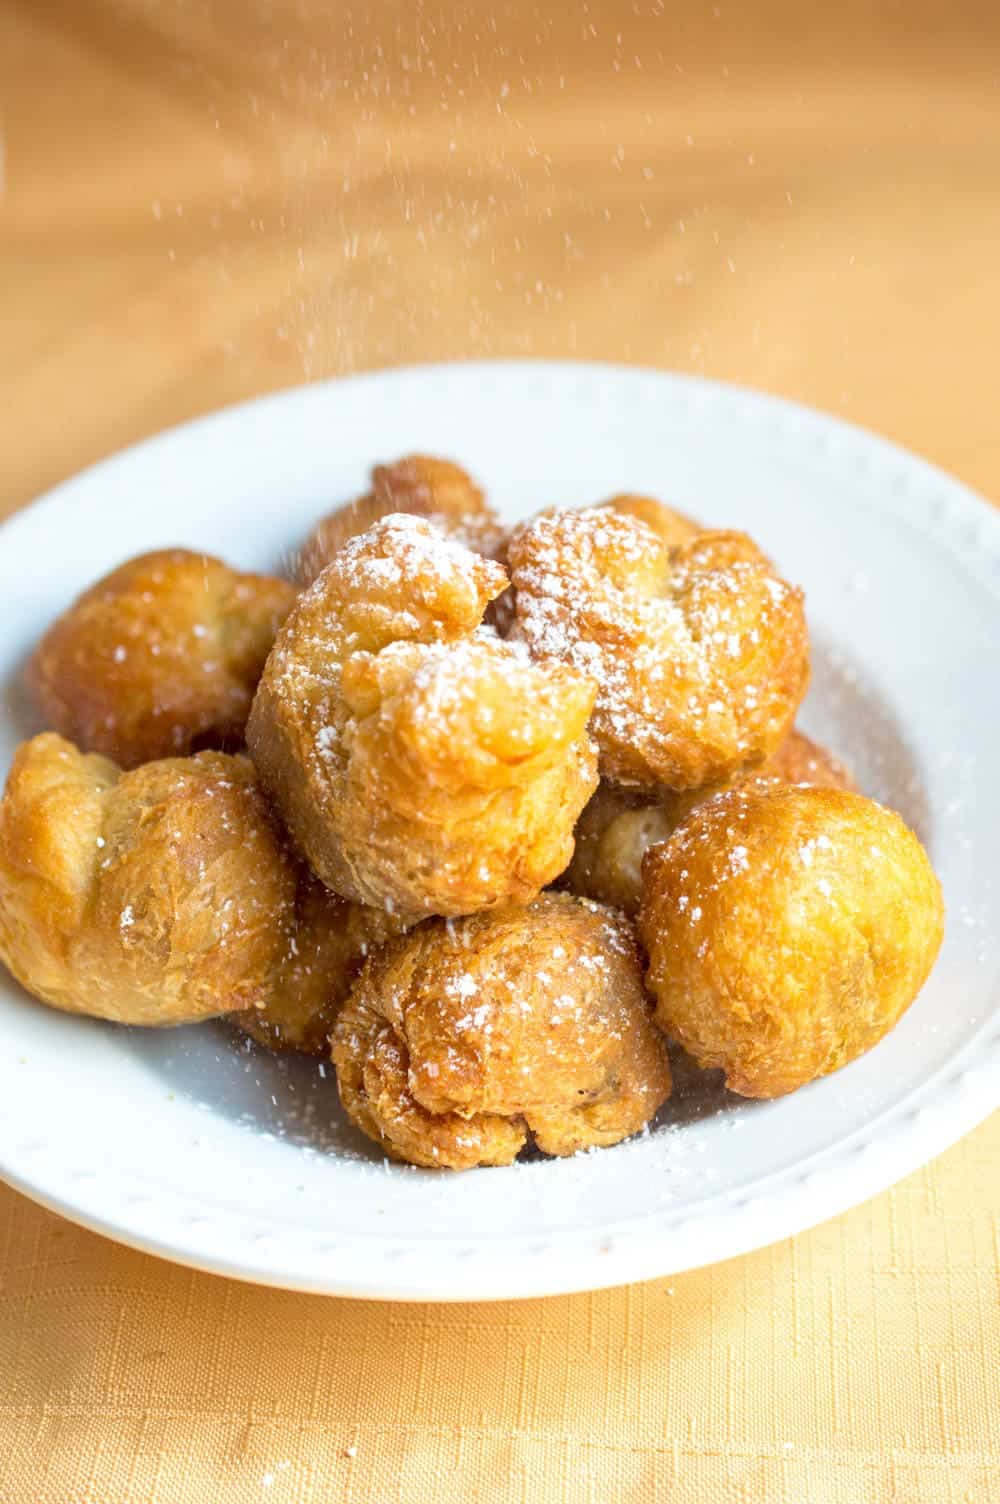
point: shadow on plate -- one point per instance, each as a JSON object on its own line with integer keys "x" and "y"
{"x": 846, "y": 712}
{"x": 291, "y": 1097}
{"x": 294, "y": 1097}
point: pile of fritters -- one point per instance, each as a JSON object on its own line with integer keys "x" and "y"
{"x": 488, "y": 815}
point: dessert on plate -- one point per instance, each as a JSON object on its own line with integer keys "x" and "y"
{"x": 488, "y": 818}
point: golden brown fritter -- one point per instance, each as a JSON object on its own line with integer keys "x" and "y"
{"x": 327, "y": 947}
{"x": 801, "y": 760}
{"x": 670, "y": 527}
{"x": 422, "y": 765}
{"x": 619, "y": 825}
{"x": 787, "y": 931}
{"x": 417, "y": 484}
{"x": 160, "y": 657}
{"x": 462, "y": 1039}
{"x": 157, "y": 896}
{"x": 700, "y": 652}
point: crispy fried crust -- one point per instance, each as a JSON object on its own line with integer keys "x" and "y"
{"x": 787, "y": 932}
{"x": 330, "y": 942}
{"x": 422, "y": 765}
{"x": 672, "y": 528}
{"x": 420, "y": 485}
{"x": 157, "y": 896}
{"x": 461, "y": 1040}
{"x": 700, "y": 652}
{"x": 619, "y": 825}
{"x": 159, "y": 657}
{"x": 801, "y": 760}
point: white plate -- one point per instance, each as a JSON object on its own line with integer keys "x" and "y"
{"x": 182, "y": 1144}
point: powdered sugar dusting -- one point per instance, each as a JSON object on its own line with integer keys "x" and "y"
{"x": 673, "y": 640}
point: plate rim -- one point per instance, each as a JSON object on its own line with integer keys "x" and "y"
{"x": 409, "y": 370}
{"x": 612, "y": 1261}
{"x": 893, "y": 1144}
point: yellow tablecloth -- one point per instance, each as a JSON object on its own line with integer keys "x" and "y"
{"x": 203, "y": 202}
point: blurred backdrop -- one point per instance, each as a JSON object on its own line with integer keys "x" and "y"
{"x": 205, "y": 201}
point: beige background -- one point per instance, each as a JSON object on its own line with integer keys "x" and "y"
{"x": 205, "y": 201}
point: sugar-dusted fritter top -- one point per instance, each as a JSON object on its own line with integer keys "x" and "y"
{"x": 669, "y": 526}
{"x": 464, "y": 1039}
{"x": 787, "y": 931}
{"x": 421, "y": 764}
{"x": 417, "y": 484}
{"x": 699, "y": 653}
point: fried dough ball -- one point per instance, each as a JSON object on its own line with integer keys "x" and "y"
{"x": 619, "y": 825}
{"x": 417, "y": 484}
{"x": 160, "y": 657}
{"x": 462, "y": 1040}
{"x": 330, "y": 940}
{"x": 422, "y": 765}
{"x": 669, "y": 526}
{"x": 699, "y": 653}
{"x": 157, "y": 896}
{"x": 801, "y": 760}
{"x": 787, "y": 932}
